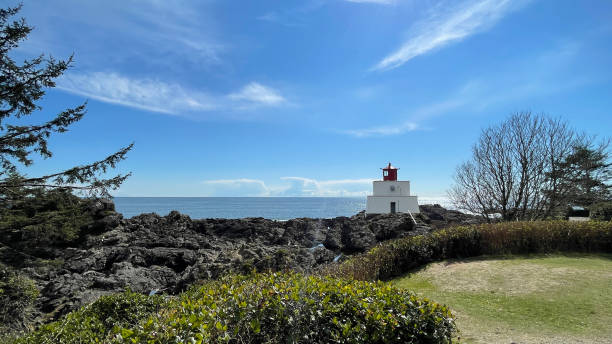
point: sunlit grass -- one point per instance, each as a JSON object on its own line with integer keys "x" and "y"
{"x": 526, "y": 299}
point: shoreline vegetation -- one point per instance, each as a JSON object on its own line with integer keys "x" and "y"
{"x": 68, "y": 265}
{"x": 258, "y": 308}
{"x": 166, "y": 255}
{"x": 74, "y": 270}
{"x": 395, "y": 257}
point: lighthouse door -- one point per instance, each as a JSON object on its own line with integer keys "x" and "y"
{"x": 393, "y": 208}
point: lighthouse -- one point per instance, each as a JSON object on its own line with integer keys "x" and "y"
{"x": 391, "y": 195}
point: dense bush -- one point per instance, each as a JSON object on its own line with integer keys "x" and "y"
{"x": 43, "y": 217}
{"x": 399, "y": 256}
{"x": 261, "y": 308}
{"x": 601, "y": 211}
{"x": 17, "y": 295}
{"x": 93, "y": 323}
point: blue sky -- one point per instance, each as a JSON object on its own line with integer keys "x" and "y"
{"x": 311, "y": 98}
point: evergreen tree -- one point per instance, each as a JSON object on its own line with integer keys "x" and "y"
{"x": 587, "y": 174}
{"x": 21, "y": 87}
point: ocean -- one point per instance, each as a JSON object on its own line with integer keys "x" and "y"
{"x": 276, "y": 208}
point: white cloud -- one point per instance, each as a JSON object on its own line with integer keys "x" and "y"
{"x": 383, "y": 130}
{"x": 289, "y": 186}
{"x": 300, "y": 186}
{"x": 448, "y": 26}
{"x": 159, "y": 96}
{"x": 146, "y": 94}
{"x": 258, "y": 94}
{"x": 381, "y": 2}
{"x": 243, "y": 187}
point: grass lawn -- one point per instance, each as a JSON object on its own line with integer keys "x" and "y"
{"x": 523, "y": 299}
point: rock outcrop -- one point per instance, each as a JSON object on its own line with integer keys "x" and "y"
{"x": 436, "y": 217}
{"x": 150, "y": 253}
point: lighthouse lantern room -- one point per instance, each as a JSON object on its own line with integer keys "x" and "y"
{"x": 389, "y": 173}
{"x": 391, "y": 195}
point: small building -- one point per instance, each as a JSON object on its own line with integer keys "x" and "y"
{"x": 391, "y": 195}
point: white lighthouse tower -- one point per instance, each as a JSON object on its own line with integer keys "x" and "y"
{"x": 391, "y": 195}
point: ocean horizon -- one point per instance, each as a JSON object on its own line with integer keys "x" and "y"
{"x": 275, "y": 208}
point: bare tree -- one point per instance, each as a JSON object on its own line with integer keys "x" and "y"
{"x": 560, "y": 139}
{"x": 515, "y": 169}
{"x": 469, "y": 193}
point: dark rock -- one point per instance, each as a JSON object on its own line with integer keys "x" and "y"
{"x": 333, "y": 238}
{"x": 100, "y": 206}
{"x": 387, "y": 226}
{"x": 169, "y": 253}
{"x": 110, "y": 221}
{"x": 436, "y": 216}
{"x": 357, "y": 239}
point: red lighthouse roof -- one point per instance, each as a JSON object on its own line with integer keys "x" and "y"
{"x": 390, "y": 172}
{"x": 390, "y": 167}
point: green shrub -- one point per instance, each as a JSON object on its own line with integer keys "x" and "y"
{"x": 93, "y": 323}
{"x": 43, "y": 218}
{"x": 601, "y": 211}
{"x": 397, "y": 257}
{"x": 260, "y": 308}
{"x": 17, "y": 296}
{"x": 291, "y": 308}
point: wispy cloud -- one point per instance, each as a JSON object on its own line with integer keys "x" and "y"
{"x": 293, "y": 16}
{"x": 259, "y": 94}
{"x": 388, "y": 130}
{"x": 270, "y": 17}
{"x": 162, "y": 97}
{"x": 450, "y": 25}
{"x": 288, "y": 186}
{"x": 534, "y": 75}
{"x": 153, "y": 33}
{"x": 380, "y": 2}
{"x": 145, "y": 94}
{"x": 235, "y": 181}
{"x": 476, "y": 95}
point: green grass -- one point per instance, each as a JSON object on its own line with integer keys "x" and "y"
{"x": 526, "y": 299}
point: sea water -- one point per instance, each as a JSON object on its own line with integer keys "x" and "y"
{"x": 276, "y": 208}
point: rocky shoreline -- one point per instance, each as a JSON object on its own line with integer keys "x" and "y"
{"x": 152, "y": 254}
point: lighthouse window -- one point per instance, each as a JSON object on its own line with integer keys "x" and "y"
{"x": 385, "y": 173}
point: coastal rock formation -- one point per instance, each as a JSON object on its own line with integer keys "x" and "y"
{"x": 436, "y": 217}
{"x": 152, "y": 254}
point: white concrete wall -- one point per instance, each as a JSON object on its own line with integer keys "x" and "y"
{"x": 382, "y": 204}
{"x": 383, "y": 188}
